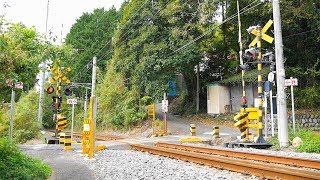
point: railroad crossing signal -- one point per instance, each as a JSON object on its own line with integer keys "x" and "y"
{"x": 264, "y": 36}
{"x": 60, "y": 75}
{"x": 60, "y": 79}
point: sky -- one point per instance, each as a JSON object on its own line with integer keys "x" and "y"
{"x": 62, "y": 13}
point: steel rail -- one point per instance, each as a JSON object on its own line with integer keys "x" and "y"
{"x": 101, "y": 137}
{"x": 98, "y": 137}
{"x": 293, "y": 161}
{"x": 260, "y": 169}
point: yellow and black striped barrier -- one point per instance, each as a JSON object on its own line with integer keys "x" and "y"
{"x": 62, "y": 138}
{"x": 61, "y": 122}
{"x": 67, "y": 142}
{"x": 241, "y": 121}
{"x": 216, "y": 132}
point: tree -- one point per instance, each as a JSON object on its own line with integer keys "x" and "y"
{"x": 151, "y": 45}
{"x": 20, "y": 53}
{"x": 91, "y": 36}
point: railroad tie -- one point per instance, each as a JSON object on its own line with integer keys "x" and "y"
{"x": 67, "y": 142}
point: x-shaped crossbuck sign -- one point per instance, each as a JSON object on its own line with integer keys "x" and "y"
{"x": 264, "y": 36}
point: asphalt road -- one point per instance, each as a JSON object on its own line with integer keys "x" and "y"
{"x": 65, "y": 164}
{"x": 180, "y": 125}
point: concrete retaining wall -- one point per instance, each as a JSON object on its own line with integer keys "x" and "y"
{"x": 307, "y": 121}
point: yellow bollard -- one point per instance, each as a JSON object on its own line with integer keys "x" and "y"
{"x": 192, "y": 137}
{"x": 192, "y": 130}
{"x": 216, "y": 132}
{"x": 67, "y": 142}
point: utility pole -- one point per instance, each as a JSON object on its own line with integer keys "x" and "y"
{"x": 198, "y": 89}
{"x": 42, "y": 80}
{"x": 47, "y": 18}
{"x": 11, "y": 113}
{"x": 94, "y": 99}
{"x": 86, "y": 104}
{"x": 94, "y": 73}
{"x": 283, "y": 134}
{"x": 244, "y": 99}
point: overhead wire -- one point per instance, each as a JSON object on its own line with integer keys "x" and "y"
{"x": 124, "y": 25}
{"x": 163, "y": 7}
{"x": 243, "y": 10}
{"x": 215, "y": 27}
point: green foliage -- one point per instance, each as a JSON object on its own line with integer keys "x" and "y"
{"x": 16, "y": 165}
{"x": 310, "y": 140}
{"x": 178, "y": 104}
{"x": 249, "y": 76}
{"x": 117, "y": 105}
{"x": 25, "y": 124}
{"x": 146, "y": 100}
{"x": 91, "y": 36}
{"x": 21, "y": 51}
{"x": 308, "y": 97}
{"x": 274, "y": 141}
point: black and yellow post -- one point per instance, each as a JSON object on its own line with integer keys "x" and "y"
{"x": 67, "y": 142}
{"x": 61, "y": 138}
{"x": 216, "y": 132}
{"x": 192, "y": 136}
{"x": 241, "y": 121}
{"x": 260, "y": 91}
{"x": 192, "y": 130}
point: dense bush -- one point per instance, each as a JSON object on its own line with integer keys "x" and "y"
{"x": 16, "y": 165}
{"x": 117, "y": 105}
{"x": 25, "y": 124}
{"x": 308, "y": 97}
{"x": 310, "y": 140}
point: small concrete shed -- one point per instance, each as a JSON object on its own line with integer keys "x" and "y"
{"x": 218, "y": 99}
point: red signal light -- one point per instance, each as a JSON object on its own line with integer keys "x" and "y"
{"x": 244, "y": 100}
{"x": 50, "y": 90}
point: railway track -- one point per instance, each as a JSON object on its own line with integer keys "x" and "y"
{"x": 261, "y": 169}
{"x": 292, "y": 161}
{"x": 98, "y": 137}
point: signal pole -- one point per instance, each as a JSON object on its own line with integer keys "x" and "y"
{"x": 11, "y": 113}
{"x": 42, "y": 80}
{"x": 281, "y": 98}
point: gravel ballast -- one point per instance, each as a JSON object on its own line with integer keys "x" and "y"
{"x": 129, "y": 164}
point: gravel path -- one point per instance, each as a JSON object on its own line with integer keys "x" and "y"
{"x": 128, "y": 164}
{"x": 122, "y": 163}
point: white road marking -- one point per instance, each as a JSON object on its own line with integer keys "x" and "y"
{"x": 211, "y": 133}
